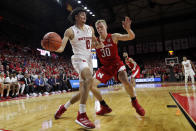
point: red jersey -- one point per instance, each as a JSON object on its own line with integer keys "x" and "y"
{"x": 130, "y": 64}
{"x": 108, "y": 54}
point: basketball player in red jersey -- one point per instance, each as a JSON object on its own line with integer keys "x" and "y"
{"x": 112, "y": 64}
{"x": 135, "y": 69}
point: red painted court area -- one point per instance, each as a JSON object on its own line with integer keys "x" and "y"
{"x": 187, "y": 100}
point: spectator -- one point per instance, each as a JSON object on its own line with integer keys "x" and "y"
{"x": 34, "y": 76}
{"x": 39, "y": 84}
{"x": 28, "y": 85}
{"x": 14, "y": 85}
{"x": 48, "y": 87}
{"x": 3, "y": 86}
{"x": 63, "y": 81}
{"x": 9, "y": 82}
{"x": 54, "y": 82}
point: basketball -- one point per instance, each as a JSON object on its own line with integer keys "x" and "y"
{"x": 51, "y": 41}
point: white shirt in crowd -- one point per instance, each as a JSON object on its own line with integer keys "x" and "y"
{"x": 19, "y": 76}
{"x": 2, "y": 80}
{"x": 34, "y": 77}
{"x": 14, "y": 79}
{"x": 7, "y": 80}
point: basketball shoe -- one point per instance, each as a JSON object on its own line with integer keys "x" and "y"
{"x": 138, "y": 107}
{"x": 104, "y": 110}
{"x": 59, "y": 112}
{"x": 82, "y": 119}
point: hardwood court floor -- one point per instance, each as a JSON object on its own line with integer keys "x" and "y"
{"x": 36, "y": 114}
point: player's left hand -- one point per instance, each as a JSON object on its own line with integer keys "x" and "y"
{"x": 126, "y": 24}
{"x": 98, "y": 44}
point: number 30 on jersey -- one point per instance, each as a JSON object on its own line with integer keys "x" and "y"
{"x": 105, "y": 52}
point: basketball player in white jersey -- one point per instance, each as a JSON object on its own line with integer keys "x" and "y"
{"x": 81, "y": 37}
{"x": 188, "y": 69}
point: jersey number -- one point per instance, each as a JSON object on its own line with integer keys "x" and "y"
{"x": 187, "y": 65}
{"x": 105, "y": 52}
{"x": 88, "y": 44}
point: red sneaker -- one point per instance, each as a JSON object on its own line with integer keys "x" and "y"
{"x": 104, "y": 110}
{"x": 59, "y": 112}
{"x": 82, "y": 119}
{"x": 138, "y": 108}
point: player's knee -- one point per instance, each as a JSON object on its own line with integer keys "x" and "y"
{"x": 122, "y": 76}
{"x": 89, "y": 81}
{"x": 86, "y": 74}
{"x": 124, "y": 81}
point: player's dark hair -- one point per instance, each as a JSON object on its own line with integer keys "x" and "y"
{"x": 74, "y": 13}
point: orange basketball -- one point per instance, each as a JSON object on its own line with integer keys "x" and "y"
{"x": 51, "y": 41}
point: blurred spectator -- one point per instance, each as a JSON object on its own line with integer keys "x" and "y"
{"x": 3, "y": 86}
{"x": 48, "y": 87}
{"x": 28, "y": 85}
{"x": 63, "y": 81}
{"x": 14, "y": 85}
{"x": 39, "y": 83}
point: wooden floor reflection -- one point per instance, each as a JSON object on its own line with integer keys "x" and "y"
{"x": 37, "y": 114}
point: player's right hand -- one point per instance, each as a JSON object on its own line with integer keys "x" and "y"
{"x": 61, "y": 49}
{"x": 100, "y": 45}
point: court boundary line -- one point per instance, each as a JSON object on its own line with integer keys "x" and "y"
{"x": 191, "y": 122}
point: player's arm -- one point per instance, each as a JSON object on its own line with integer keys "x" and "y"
{"x": 182, "y": 68}
{"x": 93, "y": 38}
{"x": 132, "y": 61}
{"x": 193, "y": 66}
{"x": 95, "y": 43}
{"x": 67, "y": 35}
{"x": 124, "y": 37}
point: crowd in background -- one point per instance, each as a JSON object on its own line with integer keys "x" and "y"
{"x": 23, "y": 71}
{"x": 161, "y": 70}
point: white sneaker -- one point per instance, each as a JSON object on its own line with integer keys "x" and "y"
{"x": 40, "y": 94}
{"x": 46, "y": 93}
{"x": 34, "y": 94}
{"x": 27, "y": 95}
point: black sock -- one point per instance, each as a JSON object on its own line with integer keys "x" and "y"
{"x": 133, "y": 98}
{"x": 103, "y": 103}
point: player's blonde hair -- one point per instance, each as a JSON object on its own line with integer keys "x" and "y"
{"x": 100, "y": 21}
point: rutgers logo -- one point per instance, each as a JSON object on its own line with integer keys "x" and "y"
{"x": 100, "y": 75}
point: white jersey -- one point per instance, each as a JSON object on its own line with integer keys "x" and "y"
{"x": 2, "y": 80}
{"x": 187, "y": 65}
{"x": 81, "y": 43}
